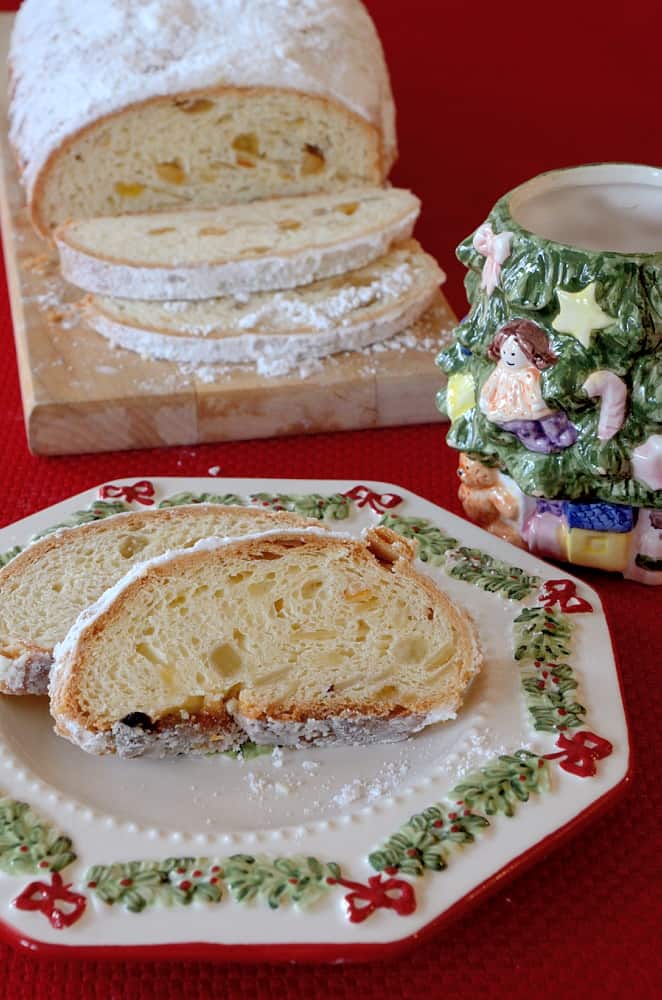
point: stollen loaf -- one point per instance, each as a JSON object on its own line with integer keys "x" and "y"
{"x": 123, "y": 106}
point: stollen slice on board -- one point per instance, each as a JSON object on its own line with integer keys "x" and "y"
{"x": 47, "y": 585}
{"x": 291, "y": 638}
{"x": 278, "y": 329}
{"x": 272, "y": 244}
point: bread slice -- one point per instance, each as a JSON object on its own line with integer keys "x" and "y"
{"x": 118, "y": 107}
{"x": 288, "y": 637}
{"x": 45, "y": 587}
{"x": 274, "y": 244}
{"x": 335, "y": 314}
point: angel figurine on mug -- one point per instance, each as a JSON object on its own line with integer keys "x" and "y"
{"x": 512, "y": 398}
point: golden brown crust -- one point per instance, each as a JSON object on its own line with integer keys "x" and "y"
{"x": 380, "y": 169}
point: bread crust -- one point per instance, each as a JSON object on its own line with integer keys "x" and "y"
{"x": 318, "y": 722}
{"x": 380, "y": 167}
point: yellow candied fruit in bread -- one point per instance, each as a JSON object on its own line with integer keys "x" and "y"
{"x": 129, "y": 190}
{"x": 359, "y": 596}
{"x": 247, "y": 142}
{"x": 162, "y": 231}
{"x": 313, "y": 160}
{"x": 212, "y": 231}
{"x": 349, "y": 208}
{"x": 172, "y": 172}
{"x": 195, "y": 105}
{"x": 288, "y": 224}
{"x": 244, "y": 161}
{"x": 193, "y": 704}
{"x": 357, "y": 281}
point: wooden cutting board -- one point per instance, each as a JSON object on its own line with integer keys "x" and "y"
{"x": 82, "y": 395}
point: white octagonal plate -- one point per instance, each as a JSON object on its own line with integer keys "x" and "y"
{"x": 321, "y": 854}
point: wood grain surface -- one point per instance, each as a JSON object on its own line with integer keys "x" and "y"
{"x": 80, "y": 394}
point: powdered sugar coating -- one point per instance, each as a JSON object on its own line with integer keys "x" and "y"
{"x": 25, "y": 674}
{"x": 102, "y": 55}
{"x": 274, "y": 355}
{"x": 336, "y": 730}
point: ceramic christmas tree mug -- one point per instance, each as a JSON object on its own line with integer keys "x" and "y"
{"x": 555, "y": 376}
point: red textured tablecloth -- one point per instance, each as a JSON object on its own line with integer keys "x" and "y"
{"x": 488, "y": 95}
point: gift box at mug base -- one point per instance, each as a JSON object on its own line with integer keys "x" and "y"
{"x": 555, "y": 375}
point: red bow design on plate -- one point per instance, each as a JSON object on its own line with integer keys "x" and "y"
{"x": 379, "y": 502}
{"x": 141, "y": 492}
{"x": 580, "y": 752}
{"x": 563, "y": 593}
{"x": 44, "y": 897}
{"x": 363, "y": 900}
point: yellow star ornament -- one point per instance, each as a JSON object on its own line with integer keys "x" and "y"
{"x": 580, "y": 314}
{"x": 460, "y": 395}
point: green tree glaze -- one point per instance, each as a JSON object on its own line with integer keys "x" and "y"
{"x": 629, "y": 289}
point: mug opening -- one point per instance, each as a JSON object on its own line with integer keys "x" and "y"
{"x": 612, "y": 207}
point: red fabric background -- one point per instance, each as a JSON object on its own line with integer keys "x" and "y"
{"x": 488, "y": 95}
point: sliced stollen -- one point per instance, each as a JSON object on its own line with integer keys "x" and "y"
{"x": 336, "y": 314}
{"x": 288, "y": 637}
{"x": 45, "y": 587}
{"x": 272, "y": 244}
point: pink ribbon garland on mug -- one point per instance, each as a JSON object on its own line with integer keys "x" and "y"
{"x": 496, "y": 249}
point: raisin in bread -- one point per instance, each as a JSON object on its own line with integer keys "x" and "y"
{"x": 271, "y": 328}
{"x": 45, "y": 587}
{"x": 199, "y": 254}
{"x": 287, "y": 637}
{"x": 120, "y": 106}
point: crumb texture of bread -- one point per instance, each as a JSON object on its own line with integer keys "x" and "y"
{"x": 45, "y": 587}
{"x": 335, "y": 314}
{"x": 293, "y": 638}
{"x": 169, "y": 102}
{"x": 199, "y": 254}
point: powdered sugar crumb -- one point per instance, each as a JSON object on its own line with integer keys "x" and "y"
{"x": 282, "y": 310}
{"x": 260, "y": 786}
{"x": 387, "y": 779}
